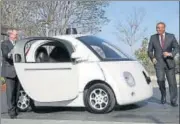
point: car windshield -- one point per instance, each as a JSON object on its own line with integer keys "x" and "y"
{"x": 103, "y": 49}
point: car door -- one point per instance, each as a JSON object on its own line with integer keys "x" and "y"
{"x": 47, "y": 81}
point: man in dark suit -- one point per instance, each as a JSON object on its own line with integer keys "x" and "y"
{"x": 9, "y": 73}
{"x": 162, "y": 49}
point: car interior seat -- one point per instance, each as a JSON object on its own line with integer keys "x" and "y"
{"x": 42, "y": 55}
{"x": 59, "y": 54}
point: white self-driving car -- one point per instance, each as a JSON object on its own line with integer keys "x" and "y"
{"x": 78, "y": 71}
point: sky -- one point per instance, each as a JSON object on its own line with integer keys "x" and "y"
{"x": 166, "y": 11}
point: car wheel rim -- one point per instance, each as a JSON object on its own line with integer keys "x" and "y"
{"x": 99, "y": 99}
{"x": 23, "y": 101}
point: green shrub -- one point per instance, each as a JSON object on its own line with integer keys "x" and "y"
{"x": 2, "y": 80}
{"x": 142, "y": 56}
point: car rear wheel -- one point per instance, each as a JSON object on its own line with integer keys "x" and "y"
{"x": 23, "y": 102}
{"x": 99, "y": 98}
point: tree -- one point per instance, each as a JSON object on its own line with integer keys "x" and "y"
{"x": 142, "y": 55}
{"x": 131, "y": 31}
{"x": 15, "y": 14}
{"x": 39, "y": 18}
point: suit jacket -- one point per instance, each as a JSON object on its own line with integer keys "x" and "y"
{"x": 8, "y": 69}
{"x": 156, "y": 51}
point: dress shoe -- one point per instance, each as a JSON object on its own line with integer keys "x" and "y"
{"x": 13, "y": 116}
{"x": 16, "y": 112}
{"x": 173, "y": 104}
{"x": 163, "y": 100}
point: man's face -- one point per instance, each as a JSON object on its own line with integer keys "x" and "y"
{"x": 13, "y": 35}
{"x": 160, "y": 28}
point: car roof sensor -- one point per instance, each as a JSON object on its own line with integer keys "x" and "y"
{"x": 71, "y": 31}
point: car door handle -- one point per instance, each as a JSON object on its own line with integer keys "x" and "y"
{"x": 40, "y": 69}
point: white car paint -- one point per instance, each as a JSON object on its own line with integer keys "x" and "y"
{"x": 114, "y": 76}
{"x": 71, "y": 93}
{"x": 42, "y": 80}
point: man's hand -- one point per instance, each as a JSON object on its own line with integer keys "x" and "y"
{"x": 10, "y": 53}
{"x": 166, "y": 54}
{"x": 154, "y": 61}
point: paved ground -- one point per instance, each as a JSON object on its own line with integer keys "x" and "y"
{"x": 150, "y": 111}
{"x": 26, "y": 121}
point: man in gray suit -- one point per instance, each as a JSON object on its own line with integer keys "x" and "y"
{"x": 162, "y": 49}
{"x": 9, "y": 73}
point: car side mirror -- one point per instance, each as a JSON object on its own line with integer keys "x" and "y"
{"x": 75, "y": 55}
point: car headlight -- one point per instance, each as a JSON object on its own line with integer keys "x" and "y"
{"x": 129, "y": 79}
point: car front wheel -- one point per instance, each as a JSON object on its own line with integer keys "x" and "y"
{"x": 99, "y": 98}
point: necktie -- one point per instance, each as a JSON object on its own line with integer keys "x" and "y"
{"x": 162, "y": 41}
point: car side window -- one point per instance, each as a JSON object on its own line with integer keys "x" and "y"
{"x": 53, "y": 52}
{"x": 99, "y": 51}
{"x": 59, "y": 54}
{"x": 48, "y": 51}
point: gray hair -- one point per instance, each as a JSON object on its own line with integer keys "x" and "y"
{"x": 161, "y": 23}
{"x": 10, "y": 31}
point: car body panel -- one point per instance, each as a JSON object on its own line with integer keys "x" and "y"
{"x": 124, "y": 93}
{"x": 46, "y": 82}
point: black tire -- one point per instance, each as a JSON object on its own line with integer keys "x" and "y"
{"x": 32, "y": 106}
{"x": 111, "y": 99}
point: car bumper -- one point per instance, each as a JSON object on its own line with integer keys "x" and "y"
{"x": 140, "y": 92}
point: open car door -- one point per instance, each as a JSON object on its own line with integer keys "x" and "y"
{"x": 47, "y": 81}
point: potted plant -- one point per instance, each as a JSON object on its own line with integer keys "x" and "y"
{"x": 3, "y": 84}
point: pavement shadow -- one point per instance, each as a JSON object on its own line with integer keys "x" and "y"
{"x": 47, "y": 109}
{"x": 134, "y": 116}
{"x": 131, "y": 106}
{"x": 154, "y": 100}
